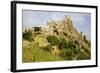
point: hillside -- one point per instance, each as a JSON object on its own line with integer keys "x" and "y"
{"x": 58, "y": 40}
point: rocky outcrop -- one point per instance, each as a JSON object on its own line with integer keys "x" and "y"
{"x": 65, "y": 28}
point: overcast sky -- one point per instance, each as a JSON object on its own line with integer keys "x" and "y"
{"x": 82, "y": 21}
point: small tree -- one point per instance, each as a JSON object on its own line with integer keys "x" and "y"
{"x": 37, "y": 29}
{"x": 85, "y": 39}
{"x": 27, "y": 35}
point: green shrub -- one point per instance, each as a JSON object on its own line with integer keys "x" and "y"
{"x": 76, "y": 51}
{"x": 47, "y": 48}
{"x": 71, "y": 45}
{"x": 27, "y": 35}
{"x": 82, "y": 56}
{"x": 53, "y": 40}
{"x": 67, "y": 54}
{"x": 63, "y": 44}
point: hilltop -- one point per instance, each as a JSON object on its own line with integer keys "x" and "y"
{"x": 58, "y": 38}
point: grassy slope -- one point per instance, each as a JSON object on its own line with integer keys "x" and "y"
{"x": 32, "y": 53}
